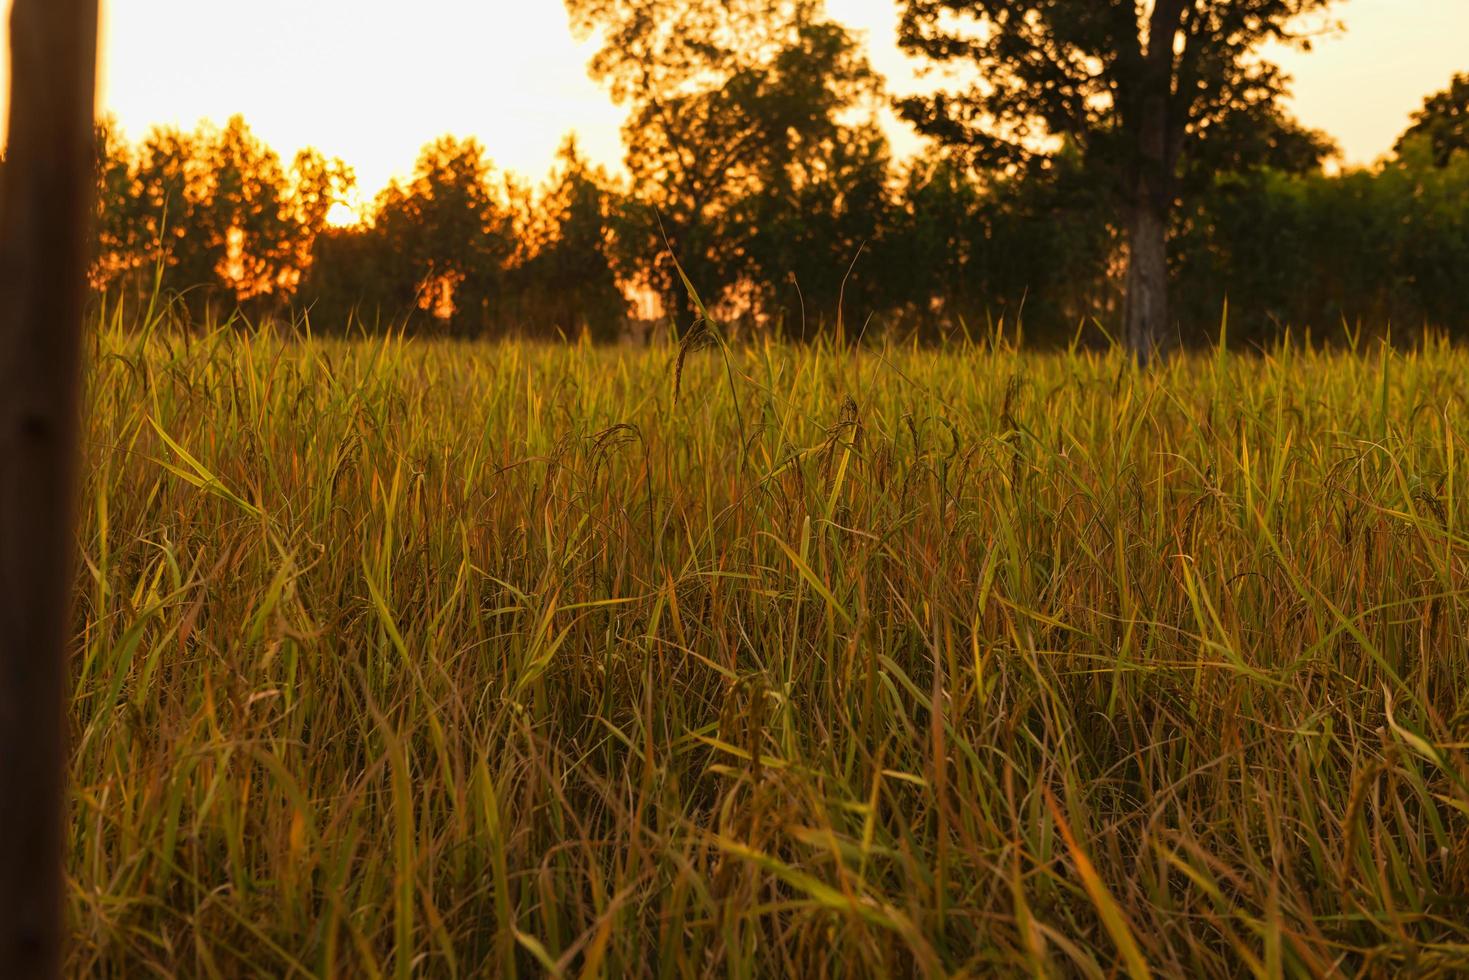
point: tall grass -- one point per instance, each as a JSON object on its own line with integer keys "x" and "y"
{"x": 424, "y": 659}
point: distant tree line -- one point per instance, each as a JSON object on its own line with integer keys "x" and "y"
{"x": 755, "y": 159}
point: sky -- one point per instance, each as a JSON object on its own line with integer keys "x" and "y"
{"x": 371, "y": 81}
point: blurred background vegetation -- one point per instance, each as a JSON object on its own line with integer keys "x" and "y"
{"x": 753, "y": 153}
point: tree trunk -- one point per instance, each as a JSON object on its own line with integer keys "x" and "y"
{"x": 1147, "y": 278}
{"x": 1157, "y": 135}
{"x": 45, "y": 211}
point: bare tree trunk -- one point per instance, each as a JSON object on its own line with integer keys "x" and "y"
{"x": 1147, "y": 279}
{"x": 45, "y": 211}
{"x": 1150, "y": 204}
{"x": 1157, "y": 133}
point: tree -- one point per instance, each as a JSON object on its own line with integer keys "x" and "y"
{"x": 565, "y": 280}
{"x": 806, "y": 235}
{"x": 444, "y": 239}
{"x": 1139, "y": 87}
{"x": 932, "y": 254}
{"x": 456, "y": 250}
{"x": 153, "y": 217}
{"x": 1443, "y": 122}
{"x": 727, "y": 99}
{"x": 969, "y": 251}
{"x": 215, "y": 208}
{"x": 45, "y": 207}
{"x": 253, "y": 219}
{"x": 1378, "y": 249}
{"x": 116, "y": 251}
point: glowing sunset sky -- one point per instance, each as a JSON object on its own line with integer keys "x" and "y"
{"x": 372, "y": 80}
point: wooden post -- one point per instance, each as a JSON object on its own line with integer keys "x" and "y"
{"x": 46, "y": 192}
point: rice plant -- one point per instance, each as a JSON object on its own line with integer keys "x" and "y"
{"x": 413, "y": 658}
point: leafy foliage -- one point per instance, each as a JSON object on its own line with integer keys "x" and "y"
{"x": 1088, "y": 73}
{"x": 1142, "y": 91}
{"x": 1443, "y": 122}
{"x": 1374, "y": 251}
{"x": 213, "y": 209}
{"x": 447, "y": 233}
{"x": 753, "y": 155}
{"x": 728, "y": 102}
{"x": 567, "y": 282}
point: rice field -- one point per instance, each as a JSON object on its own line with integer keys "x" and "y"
{"x": 415, "y": 658}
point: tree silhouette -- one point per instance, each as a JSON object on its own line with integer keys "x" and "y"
{"x": 1443, "y": 122}
{"x": 457, "y": 249}
{"x": 445, "y": 237}
{"x": 157, "y": 210}
{"x": 1139, "y": 88}
{"x": 566, "y": 281}
{"x": 119, "y": 249}
{"x": 973, "y": 251}
{"x": 214, "y": 208}
{"x": 805, "y": 232}
{"x": 727, "y": 100}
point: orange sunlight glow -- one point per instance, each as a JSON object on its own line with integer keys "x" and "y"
{"x": 371, "y": 81}
{"x": 342, "y": 215}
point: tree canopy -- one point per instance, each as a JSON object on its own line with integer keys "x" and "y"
{"x": 728, "y": 100}
{"x": 754, "y": 154}
{"x": 1443, "y": 122}
{"x": 1138, "y": 88}
{"x": 214, "y": 209}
